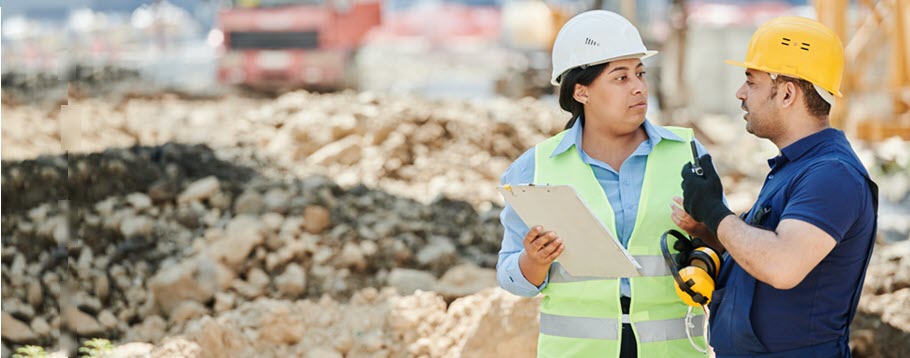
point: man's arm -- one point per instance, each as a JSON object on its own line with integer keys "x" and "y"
{"x": 781, "y": 259}
{"x": 816, "y": 217}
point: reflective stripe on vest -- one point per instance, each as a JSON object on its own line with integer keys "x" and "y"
{"x": 606, "y": 328}
{"x": 650, "y": 266}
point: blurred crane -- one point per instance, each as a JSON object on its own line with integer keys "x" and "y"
{"x": 880, "y": 40}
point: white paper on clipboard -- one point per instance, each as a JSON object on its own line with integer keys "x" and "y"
{"x": 590, "y": 248}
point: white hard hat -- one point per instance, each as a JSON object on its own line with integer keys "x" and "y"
{"x": 595, "y": 37}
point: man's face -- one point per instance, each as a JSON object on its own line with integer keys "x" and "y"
{"x": 762, "y": 113}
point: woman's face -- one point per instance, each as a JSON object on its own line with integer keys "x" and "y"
{"x": 618, "y": 98}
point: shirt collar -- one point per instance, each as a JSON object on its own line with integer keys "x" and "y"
{"x": 799, "y": 148}
{"x": 574, "y": 135}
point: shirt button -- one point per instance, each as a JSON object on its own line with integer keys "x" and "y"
{"x": 770, "y": 176}
{"x": 625, "y": 182}
{"x": 630, "y": 206}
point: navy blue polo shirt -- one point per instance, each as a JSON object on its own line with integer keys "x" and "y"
{"x": 818, "y": 180}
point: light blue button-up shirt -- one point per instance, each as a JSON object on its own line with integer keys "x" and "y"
{"x": 623, "y": 189}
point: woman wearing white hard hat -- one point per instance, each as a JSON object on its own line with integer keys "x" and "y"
{"x": 627, "y": 171}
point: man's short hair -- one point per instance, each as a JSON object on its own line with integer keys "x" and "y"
{"x": 816, "y": 105}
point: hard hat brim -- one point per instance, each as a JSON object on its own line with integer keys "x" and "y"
{"x": 642, "y": 55}
{"x": 760, "y": 68}
{"x": 736, "y": 63}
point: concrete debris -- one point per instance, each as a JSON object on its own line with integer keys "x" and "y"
{"x": 317, "y": 225}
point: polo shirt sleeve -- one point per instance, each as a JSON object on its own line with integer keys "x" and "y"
{"x": 829, "y": 195}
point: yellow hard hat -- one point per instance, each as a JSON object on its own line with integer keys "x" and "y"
{"x": 798, "y": 47}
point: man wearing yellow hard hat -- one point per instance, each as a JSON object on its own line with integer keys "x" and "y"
{"x": 795, "y": 262}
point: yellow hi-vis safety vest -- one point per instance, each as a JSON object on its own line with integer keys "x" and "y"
{"x": 581, "y": 316}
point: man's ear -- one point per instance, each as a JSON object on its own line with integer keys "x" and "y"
{"x": 581, "y": 93}
{"x": 787, "y": 94}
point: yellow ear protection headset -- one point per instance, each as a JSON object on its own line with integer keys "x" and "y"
{"x": 700, "y": 266}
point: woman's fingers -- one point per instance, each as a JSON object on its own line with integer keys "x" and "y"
{"x": 540, "y": 245}
{"x": 531, "y": 235}
{"x": 547, "y": 250}
{"x": 541, "y": 241}
{"x": 556, "y": 252}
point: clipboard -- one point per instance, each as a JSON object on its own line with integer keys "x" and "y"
{"x": 590, "y": 248}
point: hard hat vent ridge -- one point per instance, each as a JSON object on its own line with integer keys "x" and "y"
{"x": 787, "y": 42}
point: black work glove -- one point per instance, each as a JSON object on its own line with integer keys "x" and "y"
{"x": 703, "y": 195}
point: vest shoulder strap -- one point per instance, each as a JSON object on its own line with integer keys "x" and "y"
{"x": 687, "y": 134}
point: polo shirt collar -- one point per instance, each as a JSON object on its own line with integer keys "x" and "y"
{"x": 799, "y": 148}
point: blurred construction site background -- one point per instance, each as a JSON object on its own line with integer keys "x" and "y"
{"x": 212, "y": 178}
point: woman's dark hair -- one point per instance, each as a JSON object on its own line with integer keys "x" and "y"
{"x": 567, "y": 90}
